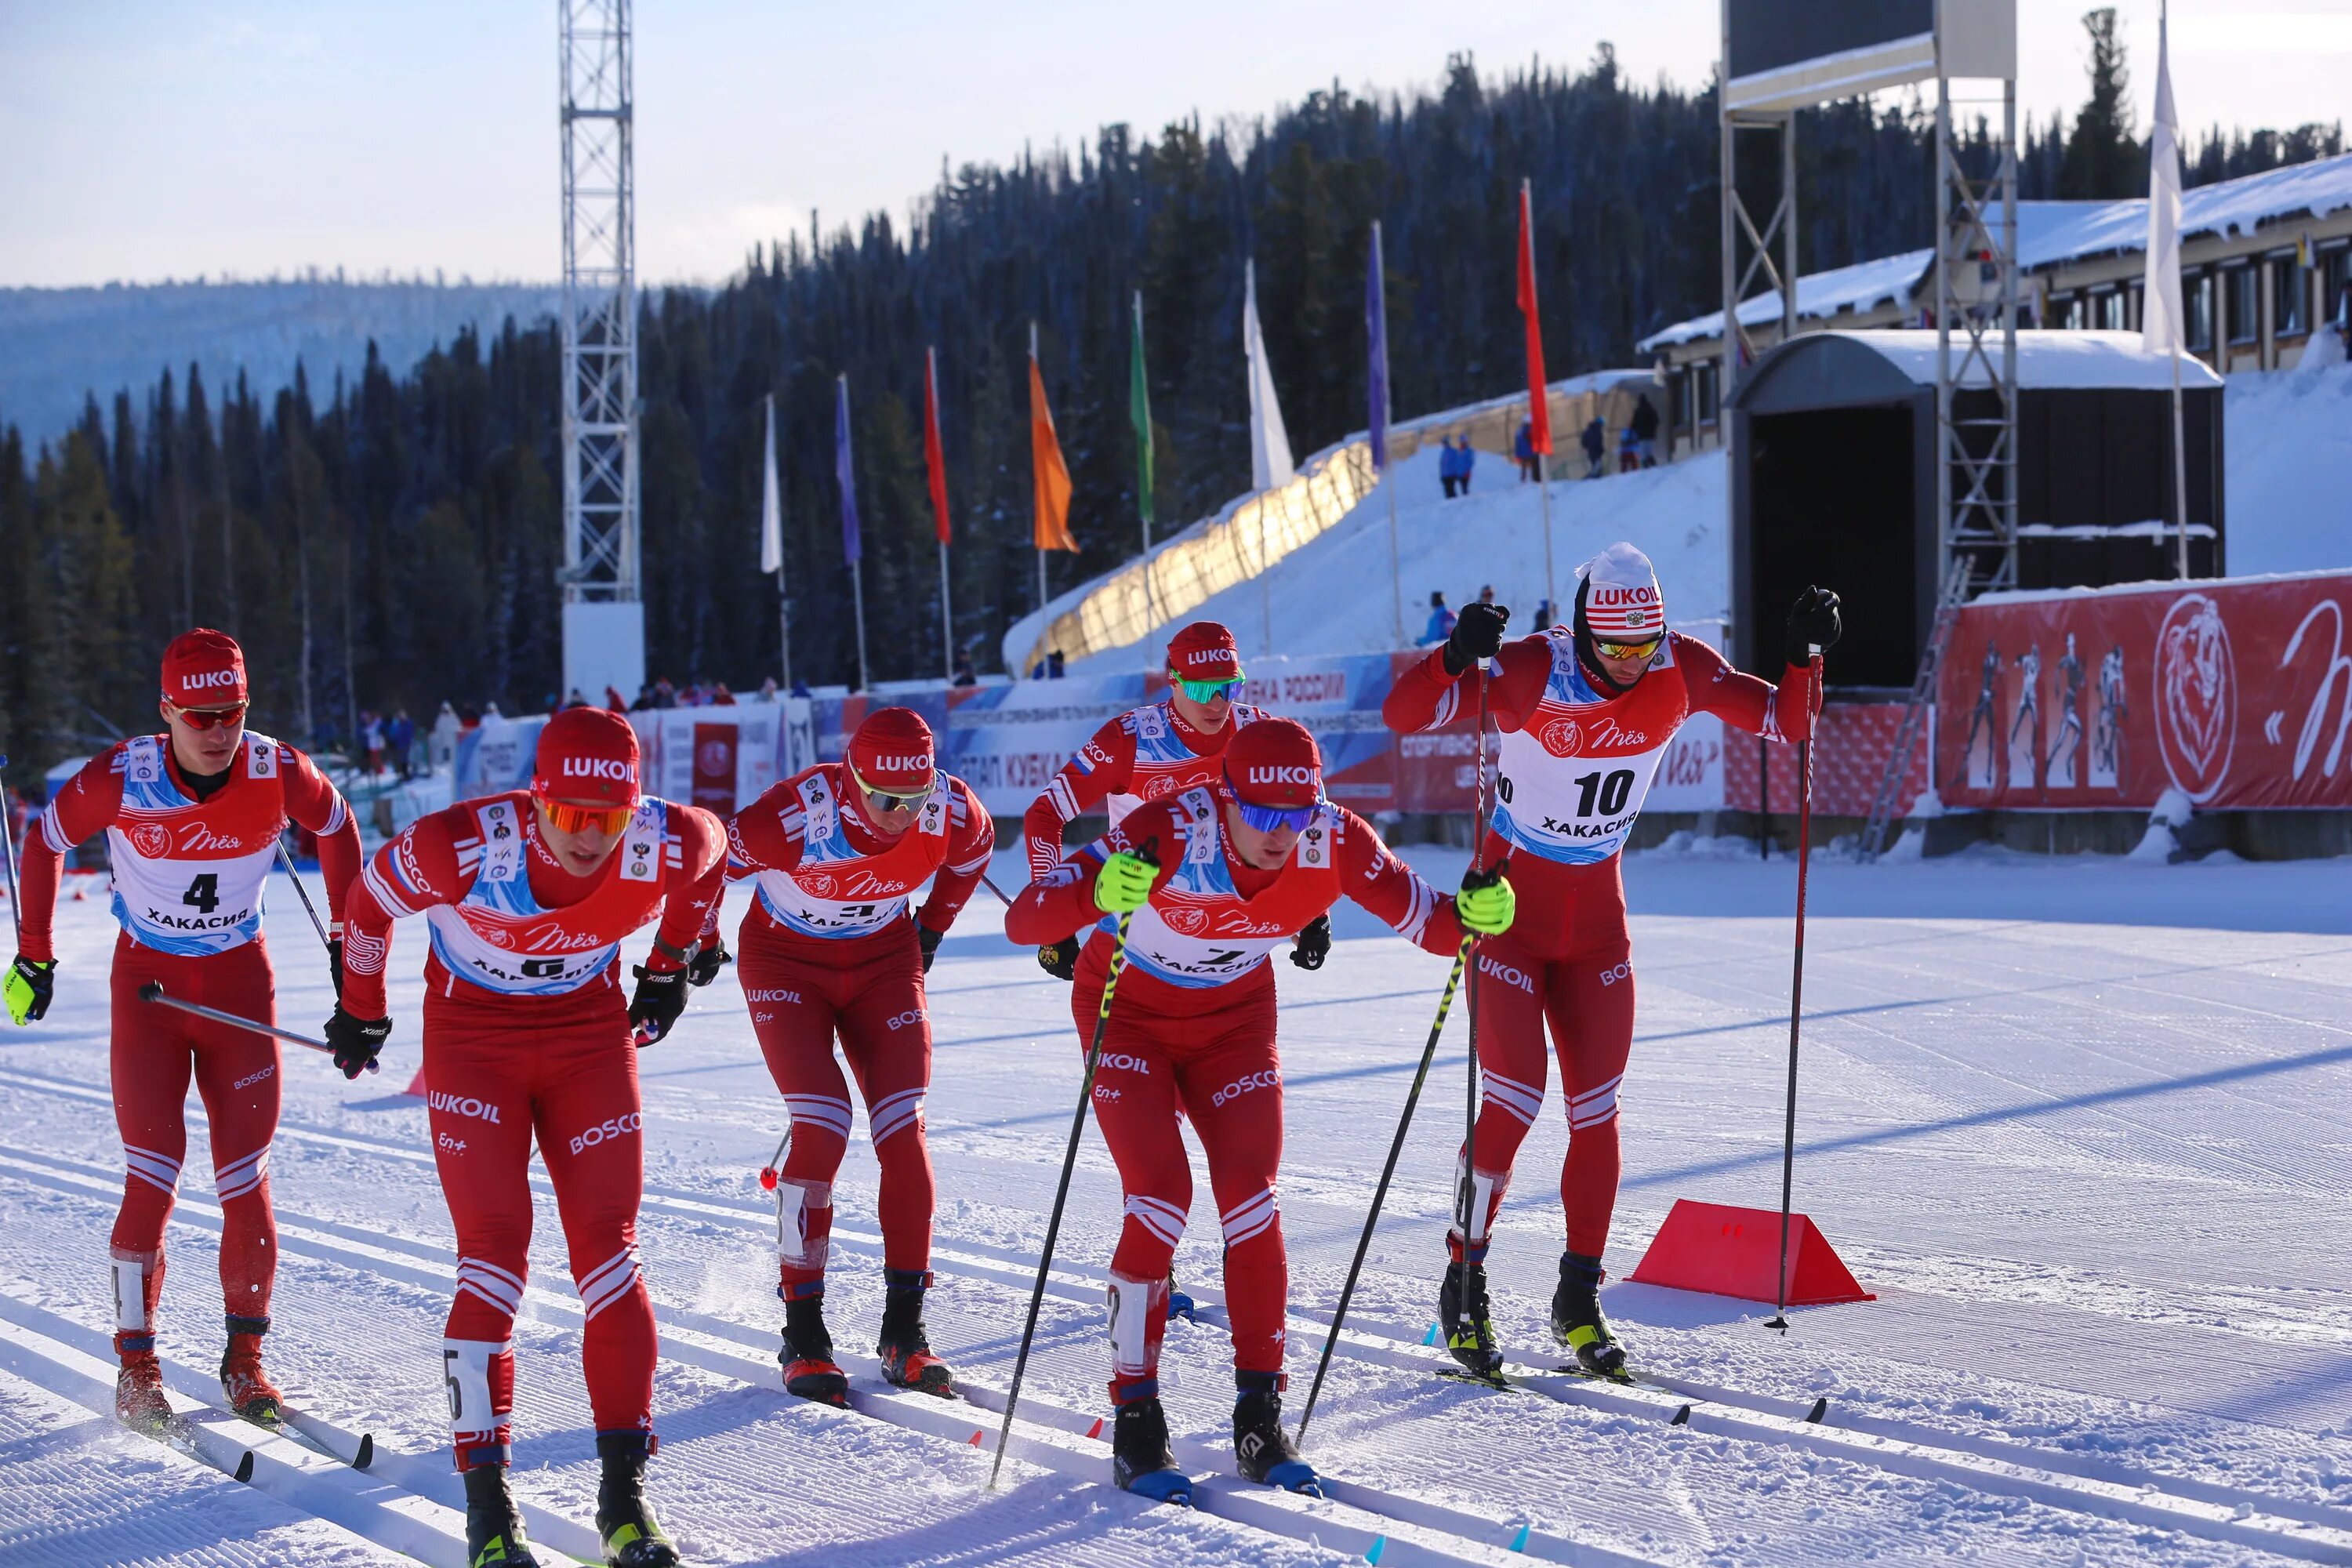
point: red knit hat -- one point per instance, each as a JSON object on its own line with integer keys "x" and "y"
{"x": 204, "y": 669}
{"x": 1274, "y": 762}
{"x": 1204, "y": 651}
{"x": 892, "y": 752}
{"x": 587, "y": 753}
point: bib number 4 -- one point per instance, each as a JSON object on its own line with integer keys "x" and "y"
{"x": 204, "y": 893}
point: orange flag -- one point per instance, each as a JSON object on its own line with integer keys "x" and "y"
{"x": 1052, "y": 530}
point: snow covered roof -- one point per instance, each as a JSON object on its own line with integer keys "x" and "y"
{"x": 2049, "y": 233}
{"x": 1861, "y": 286}
{"x": 2045, "y": 359}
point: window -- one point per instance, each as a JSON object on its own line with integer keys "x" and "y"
{"x": 2290, "y": 297}
{"x": 2197, "y": 299}
{"x": 2242, "y": 291}
{"x": 1705, "y": 376}
{"x": 2067, "y": 313}
{"x": 2107, "y": 311}
{"x": 2335, "y": 277}
{"x": 1686, "y": 397}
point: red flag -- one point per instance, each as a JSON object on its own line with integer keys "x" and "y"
{"x": 934, "y": 458}
{"x": 1538, "y": 407}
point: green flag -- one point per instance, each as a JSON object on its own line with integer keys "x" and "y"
{"x": 1138, "y": 410}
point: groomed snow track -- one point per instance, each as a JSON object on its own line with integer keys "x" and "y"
{"x": 1063, "y": 1440}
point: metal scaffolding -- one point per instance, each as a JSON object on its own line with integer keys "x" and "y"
{"x": 599, "y": 353}
{"x": 1976, "y": 346}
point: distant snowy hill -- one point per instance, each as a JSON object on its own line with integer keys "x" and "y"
{"x": 58, "y": 345}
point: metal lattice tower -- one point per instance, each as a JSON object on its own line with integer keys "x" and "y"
{"x": 600, "y": 350}
{"x": 1976, "y": 345}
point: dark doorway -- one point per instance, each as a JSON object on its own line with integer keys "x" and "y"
{"x": 1833, "y": 501}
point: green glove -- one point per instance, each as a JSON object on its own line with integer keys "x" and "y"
{"x": 1124, "y": 883}
{"x": 28, "y": 989}
{"x": 1487, "y": 904}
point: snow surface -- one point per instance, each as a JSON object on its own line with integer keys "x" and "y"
{"x": 2288, "y": 460}
{"x": 2045, "y": 359}
{"x": 2077, "y": 1122}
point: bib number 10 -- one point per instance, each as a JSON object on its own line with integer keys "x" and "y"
{"x": 1608, "y": 791}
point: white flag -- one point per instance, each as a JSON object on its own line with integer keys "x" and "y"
{"x": 771, "y": 506}
{"x": 1270, "y": 462}
{"x": 2162, "y": 328}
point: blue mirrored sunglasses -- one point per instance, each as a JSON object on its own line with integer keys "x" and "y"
{"x": 1207, "y": 691}
{"x": 1273, "y": 818}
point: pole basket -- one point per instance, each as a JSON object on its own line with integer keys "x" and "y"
{"x": 1728, "y": 1251}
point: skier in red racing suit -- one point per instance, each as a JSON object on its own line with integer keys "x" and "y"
{"x": 1217, "y": 877}
{"x": 192, "y": 819}
{"x": 1586, "y": 712}
{"x": 528, "y": 897}
{"x": 829, "y": 948}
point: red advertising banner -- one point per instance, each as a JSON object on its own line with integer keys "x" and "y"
{"x": 2238, "y": 694}
{"x": 714, "y": 768}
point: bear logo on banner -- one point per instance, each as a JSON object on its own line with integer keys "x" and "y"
{"x": 2196, "y": 688}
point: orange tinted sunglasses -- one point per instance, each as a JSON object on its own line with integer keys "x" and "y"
{"x": 581, "y": 819}
{"x": 1626, "y": 649}
{"x": 210, "y": 718}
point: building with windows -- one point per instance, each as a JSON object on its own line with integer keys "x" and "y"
{"x": 2266, "y": 260}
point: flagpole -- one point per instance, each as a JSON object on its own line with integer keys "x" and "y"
{"x": 857, "y": 592}
{"x": 2179, "y": 467}
{"x": 947, "y": 618}
{"x": 1141, "y": 412}
{"x": 771, "y": 538}
{"x": 1377, "y": 330}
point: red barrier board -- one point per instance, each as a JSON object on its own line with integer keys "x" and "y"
{"x": 714, "y": 768}
{"x": 1851, "y": 743}
{"x": 2238, "y": 694}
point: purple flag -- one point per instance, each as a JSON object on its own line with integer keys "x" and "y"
{"x": 1376, "y": 341}
{"x": 844, "y": 471}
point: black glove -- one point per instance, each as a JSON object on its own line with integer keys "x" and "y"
{"x": 335, "y": 964}
{"x": 656, "y": 1008}
{"x": 1812, "y": 624}
{"x": 356, "y": 1041}
{"x": 1060, "y": 959}
{"x": 1314, "y": 944}
{"x": 708, "y": 960}
{"x": 31, "y": 984}
{"x": 930, "y": 939}
{"x": 1476, "y": 635}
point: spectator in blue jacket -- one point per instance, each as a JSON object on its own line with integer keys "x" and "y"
{"x": 1523, "y": 448}
{"x": 1441, "y": 620}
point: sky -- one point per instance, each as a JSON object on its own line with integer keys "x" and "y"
{"x": 243, "y": 138}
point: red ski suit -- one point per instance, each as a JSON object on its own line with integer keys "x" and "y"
{"x": 1145, "y": 755}
{"x": 526, "y": 1029}
{"x": 1191, "y": 1030}
{"x": 827, "y": 948}
{"x": 187, "y": 888}
{"x": 1574, "y": 765}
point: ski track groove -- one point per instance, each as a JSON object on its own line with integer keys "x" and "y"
{"x": 1415, "y": 1530}
{"x": 2087, "y": 1485}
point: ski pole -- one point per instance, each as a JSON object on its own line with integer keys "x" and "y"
{"x": 990, "y": 883}
{"x": 8, "y": 842}
{"x": 1473, "y": 1212}
{"x": 1062, "y": 1192}
{"x": 1796, "y": 1011}
{"x": 1381, "y": 1193}
{"x": 304, "y": 894}
{"x": 153, "y": 992}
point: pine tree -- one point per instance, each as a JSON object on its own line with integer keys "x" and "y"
{"x": 2104, "y": 161}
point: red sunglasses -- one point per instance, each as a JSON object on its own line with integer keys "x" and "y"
{"x": 209, "y": 717}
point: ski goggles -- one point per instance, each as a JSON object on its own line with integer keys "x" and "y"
{"x": 1627, "y": 649}
{"x": 1275, "y": 818}
{"x": 888, "y": 800}
{"x": 568, "y": 818}
{"x": 210, "y": 718}
{"x": 1207, "y": 691}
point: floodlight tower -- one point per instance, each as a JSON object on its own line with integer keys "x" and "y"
{"x": 603, "y": 618}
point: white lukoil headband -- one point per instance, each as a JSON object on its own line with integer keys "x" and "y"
{"x": 1622, "y": 600}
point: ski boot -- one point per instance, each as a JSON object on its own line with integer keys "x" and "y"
{"x": 625, "y": 1521}
{"x": 807, "y": 1355}
{"x": 1141, "y": 1461}
{"x": 1577, "y": 1322}
{"x": 1463, "y": 1316}
{"x": 904, "y": 1349}
{"x": 1179, "y": 1305}
{"x": 251, "y": 1393}
{"x": 1262, "y": 1448}
{"x": 139, "y": 1401}
{"x": 493, "y": 1524}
